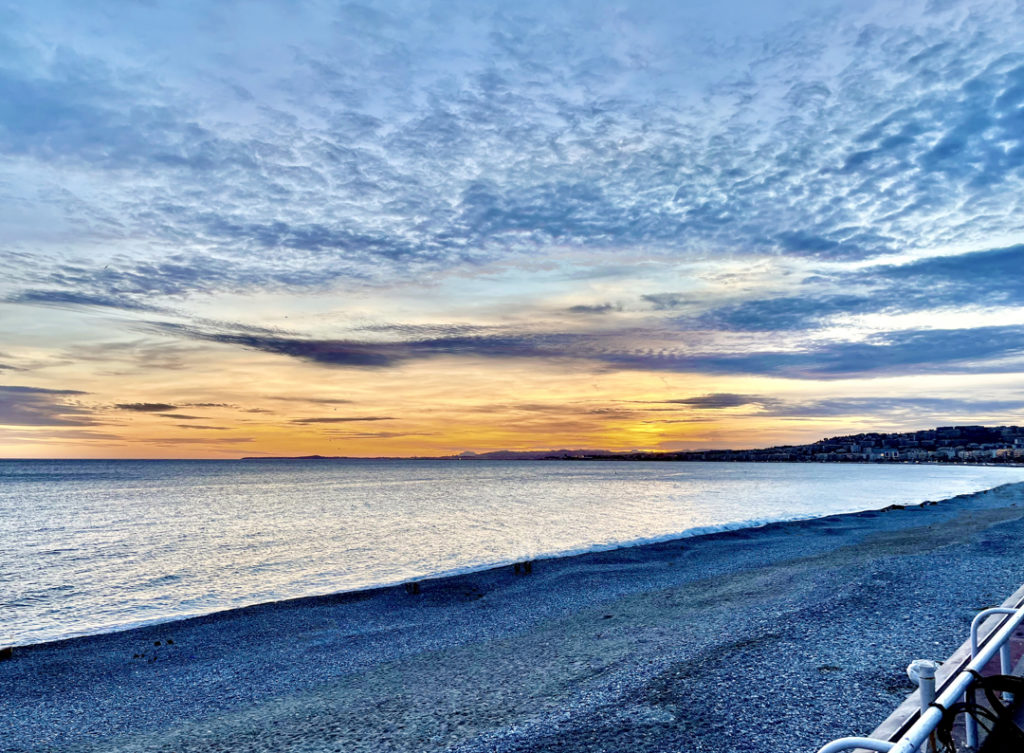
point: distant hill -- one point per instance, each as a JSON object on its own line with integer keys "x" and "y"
{"x": 945, "y": 444}
{"x": 531, "y": 455}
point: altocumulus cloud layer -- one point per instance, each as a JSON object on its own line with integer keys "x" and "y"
{"x": 801, "y": 190}
{"x": 373, "y": 140}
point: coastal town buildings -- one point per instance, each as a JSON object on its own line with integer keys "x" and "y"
{"x": 945, "y": 444}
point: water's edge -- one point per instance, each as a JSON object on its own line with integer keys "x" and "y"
{"x": 451, "y": 576}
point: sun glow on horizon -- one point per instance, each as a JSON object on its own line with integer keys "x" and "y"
{"x": 386, "y": 232}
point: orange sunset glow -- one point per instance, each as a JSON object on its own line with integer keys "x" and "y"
{"x": 424, "y": 240}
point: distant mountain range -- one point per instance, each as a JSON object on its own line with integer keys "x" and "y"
{"x": 533, "y": 455}
{"x": 496, "y": 455}
{"x": 945, "y": 444}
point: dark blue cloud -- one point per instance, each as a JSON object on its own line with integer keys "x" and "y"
{"x": 145, "y": 407}
{"x": 7, "y": 366}
{"x": 805, "y": 243}
{"x": 34, "y": 406}
{"x": 76, "y": 298}
{"x": 993, "y": 349}
{"x": 784, "y": 313}
{"x": 902, "y": 352}
{"x": 600, "y": 308}
{"x": 720, "y": 400}
{"x": 331, "y": 352}
{"x": 982, "y": 279}
{"x": 918, "y": 407}
{"x": 669, "y": 301}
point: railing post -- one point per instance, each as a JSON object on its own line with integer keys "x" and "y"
{"x": 1005, "y": 667}
{"x": 970, "y": 723}
{"x": 922, "y": 671}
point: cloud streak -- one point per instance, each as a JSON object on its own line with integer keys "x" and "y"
{"x": 34, "y": 406}
{"x": 340, "y": 419}
{"x": 999, "y": 348}
{"x": 720, "y": 400}
{"x": 983, "y": 279}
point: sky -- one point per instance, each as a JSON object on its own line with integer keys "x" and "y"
{"x": 425, "y": 228}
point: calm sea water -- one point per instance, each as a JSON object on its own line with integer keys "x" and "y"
{"x": 92, "y": 546}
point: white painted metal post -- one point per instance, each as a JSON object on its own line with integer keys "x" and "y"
{"x": 922, "y": 671}
{"x": 1006, "y": 666}
{"x": 970, "y": 723}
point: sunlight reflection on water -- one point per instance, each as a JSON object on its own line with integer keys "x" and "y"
{"x": 90, "y": 546}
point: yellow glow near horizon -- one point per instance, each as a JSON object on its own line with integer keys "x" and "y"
{"x": 437, "y": 407}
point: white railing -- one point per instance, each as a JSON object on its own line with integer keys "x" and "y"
{"x": 931, "y": 713}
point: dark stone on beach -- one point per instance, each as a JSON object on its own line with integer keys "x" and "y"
{"x": 412, "y": 588}
{"x": 170, "y": 642}
{"x": 156, "y": 643}
{"x": 523, "y": 568}
{"x": 6, "y": 654}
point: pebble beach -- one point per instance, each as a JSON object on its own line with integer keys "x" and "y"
{"x": 777, "y": 638}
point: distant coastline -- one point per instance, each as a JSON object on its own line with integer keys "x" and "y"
{"x": 945, "y": 445}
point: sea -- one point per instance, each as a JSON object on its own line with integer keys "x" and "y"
{"x": 92, "y": 546}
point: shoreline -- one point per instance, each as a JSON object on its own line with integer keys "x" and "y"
{"x": 647, "y": 648}
{"x": 543, "y": 459}
{"x": 641, "y": 543}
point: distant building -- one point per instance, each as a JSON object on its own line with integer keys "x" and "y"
{"x": 882, "y": 453}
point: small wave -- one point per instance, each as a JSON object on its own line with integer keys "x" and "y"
{"x": 42, "y": 596}
{"x": 162, "y": 580}
{"x": 57, "y": 477}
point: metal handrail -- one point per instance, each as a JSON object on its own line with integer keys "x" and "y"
{"x": 971, "y": 724}
{"x": 931, "y": 716}
{"x": 850, "y": 743}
